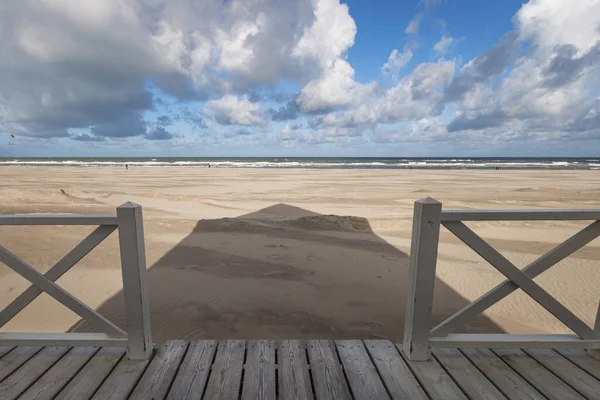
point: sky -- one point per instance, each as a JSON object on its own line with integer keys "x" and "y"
{"x": 378, "y": 78}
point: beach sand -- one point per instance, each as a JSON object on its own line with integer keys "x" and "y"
{"x": 282, "y": 253}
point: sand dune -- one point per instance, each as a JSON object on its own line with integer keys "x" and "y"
{"x": 236, "y": 253}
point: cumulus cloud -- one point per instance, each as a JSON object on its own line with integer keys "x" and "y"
{"x": 234, "y": 110}
{"x": 396, "y": 61}
{"x": 66, "y": 68}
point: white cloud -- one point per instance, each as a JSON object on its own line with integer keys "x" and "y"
{"x": 443, "y": 44}
{"x": 552, "y": 23}
{"x": 396, "y": 61}
{"x": 231, "y": 110}
{"x": 413, "y": 25}
{"x": 67, "y": 69}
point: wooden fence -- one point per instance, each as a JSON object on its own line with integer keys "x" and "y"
{"x": 137, "y": 337}
{"x": 420, "y": 336}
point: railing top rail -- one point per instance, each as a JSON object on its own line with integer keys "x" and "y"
{"x": 58, "y": 219}
{"x": 521, "y": 215}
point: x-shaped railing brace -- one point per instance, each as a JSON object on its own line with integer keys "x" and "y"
{"x": 46, "y": 283}
{"x": 522, "y": 279}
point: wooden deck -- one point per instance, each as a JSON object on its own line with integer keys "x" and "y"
{"x": 293, "y": 369}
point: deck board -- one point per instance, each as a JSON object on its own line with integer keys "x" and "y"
{"x": 28, "y": 373}
{"x": 504, "y": 377}
{"x": 159, "y": 375}
{"x": 541, "y": 378}
{"x": 57, "y": 377}
{"x": 4, "y": 350}
{"x": 395, "y": 374}
{"x": 474, "y": 383}
{"x": 582, "y": 359}
{"x": 577, "y": 378}
{"x": 90, "y": 377}
{"x": 326, "y": 371}
{"x": 122, "y": 379}
{"x": 435, "y": 380}
{"x": 15, "y": 358}
{"x": 226, "y": 376}
{"x": 295, "y": 370}
{"x": 193, "y": 373}
{"x": 259, "y": 379}
{"x": 362, "y": 375}
{"x": 294, "y": 377}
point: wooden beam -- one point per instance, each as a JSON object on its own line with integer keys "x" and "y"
{"x": 59, "y": 339}
{"x": 58, "y": 293}
{"x": 423, "y": 258}
{"x": 520, "y": 215}
{"x": 508, "y": 341}
{"x": 542, "y": 264}
{"x": 535, "y": 291}
{"x": 72, "y": 258}
{"x": 58, "y": 219}
{"x": 133, "y": 269}
{"x": 596, "y": 353}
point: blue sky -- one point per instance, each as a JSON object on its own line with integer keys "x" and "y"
{"x": 299, "y": 78}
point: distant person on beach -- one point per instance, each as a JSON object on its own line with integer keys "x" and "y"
{"x": 126, "y": 166}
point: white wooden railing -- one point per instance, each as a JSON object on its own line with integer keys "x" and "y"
{"x": 137, "y": 337}
{"x": 420, "y": 336}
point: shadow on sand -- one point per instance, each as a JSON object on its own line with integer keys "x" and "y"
{"x": 282, "y": 272}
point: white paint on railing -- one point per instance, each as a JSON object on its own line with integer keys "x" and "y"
{"x": 133, "y": 263}
{"x": 58, "y": 219}
{"x": 422, "y": 274}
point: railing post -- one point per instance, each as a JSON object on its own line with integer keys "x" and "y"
{"x": 596, "y": 352}
{"x": 423, "y": 257}
{"x": 133, "y": 268}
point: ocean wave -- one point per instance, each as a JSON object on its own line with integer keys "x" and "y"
{"x": 401, "y": 163}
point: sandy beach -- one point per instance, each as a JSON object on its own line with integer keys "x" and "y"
{"x": 289, "y": 253}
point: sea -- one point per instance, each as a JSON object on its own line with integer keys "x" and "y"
{"x": 317, "y": 163}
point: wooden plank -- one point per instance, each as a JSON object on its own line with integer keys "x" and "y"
{"x": 535, "y": 291}
{"x": 122, "y": 380}
{"x": 59, "y": 294}
{"x": 259, "y": 378}
{"x": 326, "y": 371}
{"x": 363, "y": 379}
{"x": 5, "y": 349}
{"x": 59, "y": 339}
{"x": 466, "y": 375}
{"x": 49, "y": 384}
{"x": 543, "y": 380}
{"x": 421, "y": 279}
{"x": 192, "y": 376}
{"x": 395, "y": 374}
{"x": 521, "y": 215}
{"x": 537, "y": 267}
{"x": 511, "y": 384}
{"x": 91, "y": 376}
{"x": 58, "y": 219}
{"x": 225, "y": 379}
{"x": 159, "y": 375}
{"x": 436, "y": 382}
{"x": 133, "y": 269}
{"x": 582, "y": 360}
{"x": 27, "y": 374}
{"x": 294, "y": 378}
{"x": 511, "y": 341}
{"x": 73, "y": 257}
{"x": 14, "y": 359}
{"x": 577, "y": 378}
